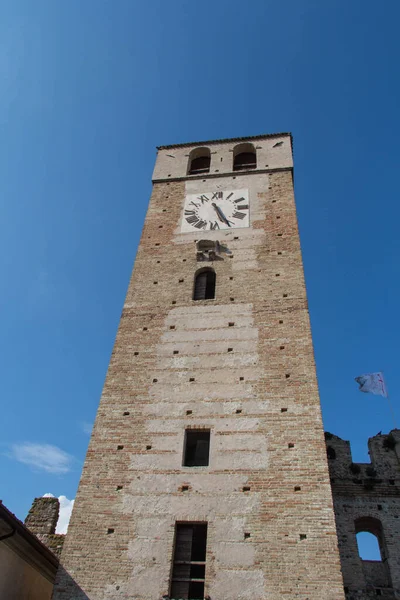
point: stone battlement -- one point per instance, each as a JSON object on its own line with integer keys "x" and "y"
{"x": 366, "y": 498}
{"x": 382, "y": 471}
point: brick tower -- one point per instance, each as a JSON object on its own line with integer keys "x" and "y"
{"x": 206, "y": 474}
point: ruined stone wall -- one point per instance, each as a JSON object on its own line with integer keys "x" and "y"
{"x": 367, "y": 498}
{"x": 240, "y": 365}
{"x": 42, "y": 521}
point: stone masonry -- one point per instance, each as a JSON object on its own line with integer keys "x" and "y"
{"x": 240, "y": 365}
{"x": 42, "y": 521}
{"x": 367, "y": 498}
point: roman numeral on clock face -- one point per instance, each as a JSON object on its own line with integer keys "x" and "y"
{"x": 201, "y": 224}
{"x": 216, "y": 210}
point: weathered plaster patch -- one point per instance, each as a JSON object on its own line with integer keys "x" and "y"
{"x": 202, "y": 337}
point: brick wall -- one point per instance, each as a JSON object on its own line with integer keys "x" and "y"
{"x": 368, "y": 494}
{"x": 265, "y": 494}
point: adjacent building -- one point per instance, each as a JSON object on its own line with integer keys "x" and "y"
{"x": 27, "y": 565}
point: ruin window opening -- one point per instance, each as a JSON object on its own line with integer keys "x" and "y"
{"x": 370, "y": 539}
{"x": 189, "y": 562}
{"x": 204, "y": 285}
{"x": 331, "y": 453}
{"x": 368, "y": 546}
{"x": 199, "y": 161}
{"x": 244, "y": 157}
{"x": 196, "y": 448}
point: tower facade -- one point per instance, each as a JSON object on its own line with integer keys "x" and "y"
{"x": 206, "y": 474}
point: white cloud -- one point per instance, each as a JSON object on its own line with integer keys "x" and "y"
{"x": 66, "y": 507}
{"x": 43, "y": 457}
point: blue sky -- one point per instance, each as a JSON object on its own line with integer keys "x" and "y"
{"x": 87, "y": 91}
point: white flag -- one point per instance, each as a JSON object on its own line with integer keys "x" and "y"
{"x": 373, "y": 383}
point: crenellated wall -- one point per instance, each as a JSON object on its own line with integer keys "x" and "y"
{"x": 367, "y": 498}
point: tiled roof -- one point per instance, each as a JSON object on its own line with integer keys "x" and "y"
{"x": 223, "y": 141}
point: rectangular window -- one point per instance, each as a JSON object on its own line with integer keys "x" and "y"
{"x": 197, "y": 448}
{"x": 189, "y": 566}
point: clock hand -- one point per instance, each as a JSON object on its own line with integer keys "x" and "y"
{"x": 217, "y": 210}
{"x": 221, "y": 215}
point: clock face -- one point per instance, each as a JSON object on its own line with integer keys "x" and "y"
{"x": 216, "y": 210}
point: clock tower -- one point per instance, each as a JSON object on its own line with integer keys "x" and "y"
{"x": 206, "y": 474}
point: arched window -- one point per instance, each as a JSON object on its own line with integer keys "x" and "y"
{"x": 372, "y": 551}
{"x": 199, "y": 161}
{"x": 370, "y": 540}
{"x": 330, "y": 452}
{"x": 204, "y": 285}
{"x": 244, "y": 157}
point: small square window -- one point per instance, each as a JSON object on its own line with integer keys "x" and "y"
{"x": 197, "y": 448}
